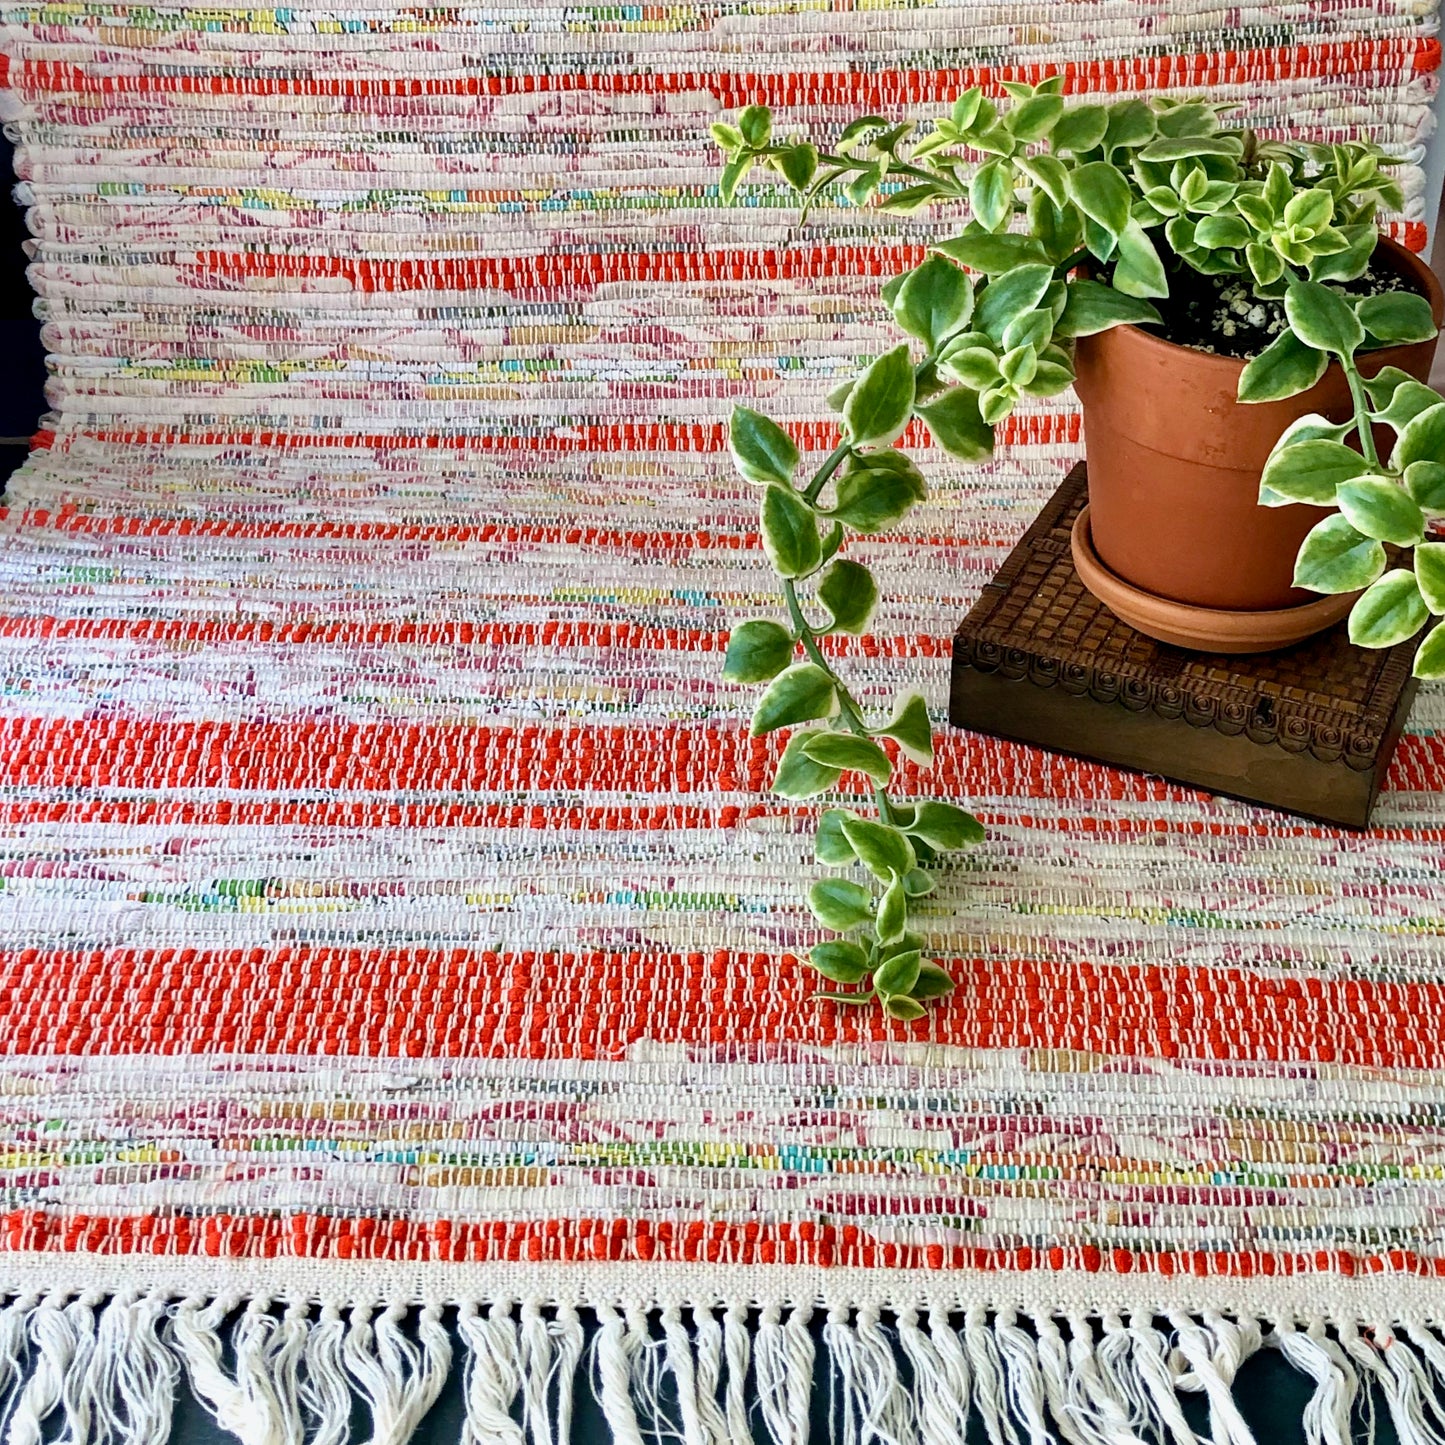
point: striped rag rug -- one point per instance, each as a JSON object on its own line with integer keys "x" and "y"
{"x": 399, "y": 950}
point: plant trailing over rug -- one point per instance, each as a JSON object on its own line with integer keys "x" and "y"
{"x": 1121, "y": 202}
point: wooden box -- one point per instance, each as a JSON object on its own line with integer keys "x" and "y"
{"x": 1040, "y": 660}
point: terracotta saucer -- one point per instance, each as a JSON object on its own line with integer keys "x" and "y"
{"x": 1203, "y": 629}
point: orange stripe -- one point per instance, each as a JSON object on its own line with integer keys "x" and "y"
{"x": 870, "y": 89}
{"x": 241, "y": 757}
{"x": 223, "y": 1234}
{"x": 423, "y": 1003}
{"x": 1032, "y": 429}
{"x": 214, "y": 632}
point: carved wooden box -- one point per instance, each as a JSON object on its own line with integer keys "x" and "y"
{"x": 1039, "y": 660}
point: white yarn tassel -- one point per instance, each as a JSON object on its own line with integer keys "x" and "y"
{"x": 708, "y": 1331}
{"x": 683, "y": 1368}
{"x": 783, "y": 1359}
{"x": 1022, "y": 1376}
{"x": 243, "y": 1404}
{"x": 610, "y": 1353}
{"x": 14, "y": 1347}
{"x": 53, "y": 1345}
{"x": 1157, "y": 1376}
{"x": 324, "y": 1392}
{"x": 738, "y": 1347}
{"x": 988, "y": 1378}
{"x": 942, "y": 1414}
{"x": 1327, "y": 1412}
{"x": 534, "y": 1359}
{"x": 1097, "y": 1397}
{"x": 568, "y": 1339}
{"x": 954, "y": 1361}
{"x": 399, "y": 1380}
{"x": 134, "y": 1375}
{"x": 492, "y": 1376}
{"x": 1227, "y": 1425}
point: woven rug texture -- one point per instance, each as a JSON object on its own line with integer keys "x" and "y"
{"x": 393, "y": 917}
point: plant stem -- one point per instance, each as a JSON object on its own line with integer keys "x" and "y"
{"x": 1069, "y": 262}
{"x": 831, "y": 464}
{"x": 1362, "y": 410}
{"x": 852, "y": 713}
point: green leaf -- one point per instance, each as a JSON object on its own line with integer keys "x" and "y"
{"x": 997, "y": 402}
{"x": 882, "y": 849}
{"x": 1018, "y": 366}
{"x": 757, "y": 651}
{"x": 850, "y": 594}
{"x": 756, "y": 124}
{"x": 874, "y": 493}
{"x": 899, "y": 974}
{"x": 851, "y": 754}
{"x": 1131, "y": 123}
{"x": 1336, "y": 558}
{"x": 966, "y": 107}
{"x": 1255, "y": 210}
{"x": 1079, "y": 129}
{"x": 1422, "y": 439}
{"x": 1266, "y": 265}
{"x": 1430, "y": 659}
{"x": 1425, "y": 482}
{"x": 1310, "y": 471}
{"x": 831, "y": 543}
{"x": 1284, "y": 368}
{"x": 932, "y": 982}
{"x": 953, "y": 420}
{"x": 857, "y": 129}
{"x": 840, "y": 904}
{"x": 762, "y": 451}
{"x": 1430, "y": 574}
{"x": 918, "y": 884}
{"x": 1101, "y": 193}
{"x": 728, "y": 137}
{"x": 1034, "y": 119}
{"x": 1380, "y": 509}
{"x": 1092, "y": 307}
{"x": 911, "y": 730}
{"x": 1278, "y": 189}
{"x": 860, "y": 189}
{"x": 881, "y": 402}
{"x": 1396, "y": 316}
{"x": 991, "y": 194}
{"x": 1049, "y": 174}
{"x": 892, "y": 918}
{"x": 732, "y": 176}
{"x": 1012, "y": 294}
{"x": 1139, "y": 271}
{"x": 1322, "y": 318}
{"x": 975, "y": 366}
{"x": 1180, "y": 148}
{"x": 946, "y": 826}
{"x": 798, "y": 165}
{"x": 1050, "y": 378}
{"x": 802, "y": 693}
{"x": 980, "y": 251}
{"x": 1310, "y": 209}
{"x": 1399, "y": 397}
{"x": 1350, "y": 263}
{"x": 831, "y": 844}
{"x": 790, "y": 533}
{"x": 935, "y": 299}
{"x": 905, "y": 1010}
{"x": 1188, "y": 118}
{"x": 798, "y": 776}
{"x": 1217, "y": 231}
{"x": 1058, "y": 229}
{"x": 1390, "y": 612}
{"x": 839, "y": 960}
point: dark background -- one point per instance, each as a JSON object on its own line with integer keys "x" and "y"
{"x": 22, "y": 361}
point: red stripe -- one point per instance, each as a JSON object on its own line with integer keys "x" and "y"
{"x": 433, "y": 634}
{"x": 550, "y": 271}
{"x": 431, "y": 1004}
{"x": 1032, "y": 429}
{"x": 868, "y": 89}
{"x": 239, "y": 757}
{"x": 575, "y": 1241}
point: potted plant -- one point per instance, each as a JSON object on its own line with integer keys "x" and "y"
{"x": 1231, "y": 320}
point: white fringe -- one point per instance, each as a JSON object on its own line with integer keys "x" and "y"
{"x": 81, "y": 1369}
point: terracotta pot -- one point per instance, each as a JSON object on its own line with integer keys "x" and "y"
{"x": 1174, "y": 461}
